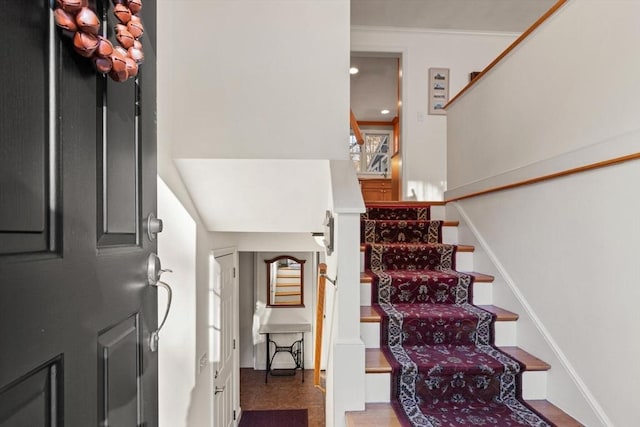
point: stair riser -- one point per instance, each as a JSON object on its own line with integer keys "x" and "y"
{"x": 378, "y": 386}
{"x": 464, "y": 261}
{"x": 505, "y": 334}
{"x": 534, "y": 385}
{"x": 450, "y": 235}
{"x": 437, "y": 212}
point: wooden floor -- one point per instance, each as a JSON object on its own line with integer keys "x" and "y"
{"x": 282, "y": 393}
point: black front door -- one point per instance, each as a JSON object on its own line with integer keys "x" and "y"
{"x": 77, "y": 182}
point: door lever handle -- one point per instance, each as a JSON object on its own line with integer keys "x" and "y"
{"x": 154, "y": 271}
{"x": 218, "y": 390}
{"x": 155, "y": 335}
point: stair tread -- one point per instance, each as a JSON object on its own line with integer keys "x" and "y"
{"x": 376, "y": 361}
{"x": 287, "y": 293}
{"x": 383, "y": 415}
{"x": 461, "y": 248}
{"x": 369, "y": 315}
{"x": 554, "y": 414}
{"x": 531, "y": 362}
{"x": 478, "y": 277}
{"x": 501, "y": 314}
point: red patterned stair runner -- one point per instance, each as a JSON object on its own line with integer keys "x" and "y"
{"x": 446, "y": 370}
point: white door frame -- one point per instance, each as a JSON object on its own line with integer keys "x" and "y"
{"x": 215, "y": 253}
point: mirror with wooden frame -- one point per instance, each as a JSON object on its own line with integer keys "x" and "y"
{"x": 285, "y": 281}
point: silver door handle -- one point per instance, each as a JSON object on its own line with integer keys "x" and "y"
{"x": 218, "y": 390}
{"x": 155, "y": 335}
{"x": 154, "y": 271}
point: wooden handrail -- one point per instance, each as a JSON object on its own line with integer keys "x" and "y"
{"x": 548, "y": 177}
{"x": 322, "y": 283}
{"x": 512, "y": 46}
{"x": 355, "y": 127}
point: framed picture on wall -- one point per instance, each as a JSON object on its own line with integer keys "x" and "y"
{"x": 438, "y": 90}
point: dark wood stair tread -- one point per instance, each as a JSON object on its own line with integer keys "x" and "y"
{"x": 478, "y": 277}
{"x": 376, "y": 362}
{"x": 383, "y": 415}
{"x": 369, "y": 315}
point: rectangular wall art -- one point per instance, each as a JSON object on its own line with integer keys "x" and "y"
{"x": 438, "y": 90}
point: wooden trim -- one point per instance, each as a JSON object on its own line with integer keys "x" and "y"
{"x": 355, "y": 127}
{"x": 585, "y": 168}
{"x": 513, "y": 45}
{"x": 322, "y": 283}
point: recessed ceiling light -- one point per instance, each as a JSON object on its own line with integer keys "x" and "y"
{"x": 384, "y": 111}
{"x": 353, "y": 70}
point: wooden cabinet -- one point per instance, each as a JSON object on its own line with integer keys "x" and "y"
{"x": 376, "y": 190}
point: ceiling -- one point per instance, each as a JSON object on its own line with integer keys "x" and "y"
{"x": 466, "y": 15}
{"x": 375, "y": 85}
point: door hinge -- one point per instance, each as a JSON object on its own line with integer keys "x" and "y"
{"x": 234, "y": 415}
{"x": 234, "y": 343}
{"x": 234, "y": 272}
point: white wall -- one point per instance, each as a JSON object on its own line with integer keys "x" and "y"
{"x": 261, "y": 79}
{"x": 256, "y": 195}
{"x": 569, "y": 249}
{"x": 565, "y": 250}
{"x": 257, "y": 91}
{"x": 574, "y": 84}
{"x": 177, "y": 351}
{"x": 200, "y": 405}
{"x": 424, "y": 136}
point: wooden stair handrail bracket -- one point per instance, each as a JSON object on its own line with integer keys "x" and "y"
{"x": 356, "y": 128}
{"x": 322, "y": 284}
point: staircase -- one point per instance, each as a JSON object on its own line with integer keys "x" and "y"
{"x": 379, "y": 411}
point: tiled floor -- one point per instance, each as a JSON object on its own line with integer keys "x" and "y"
{"x": 282, "y": 393}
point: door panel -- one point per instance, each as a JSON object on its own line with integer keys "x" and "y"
{"x": 119, "y": 355}
{"x": 118, "y": 164}
{"x": 75, "y": 186}
{"x": 33, "y": 400}
{"x": 27, "y": 170}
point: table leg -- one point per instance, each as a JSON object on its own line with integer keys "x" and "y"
{"x": 266, "y": 375}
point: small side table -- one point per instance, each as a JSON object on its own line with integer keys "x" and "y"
{"x": 296, "y": 349}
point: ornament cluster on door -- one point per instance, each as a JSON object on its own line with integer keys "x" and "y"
{"x": 80, "y": 22}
